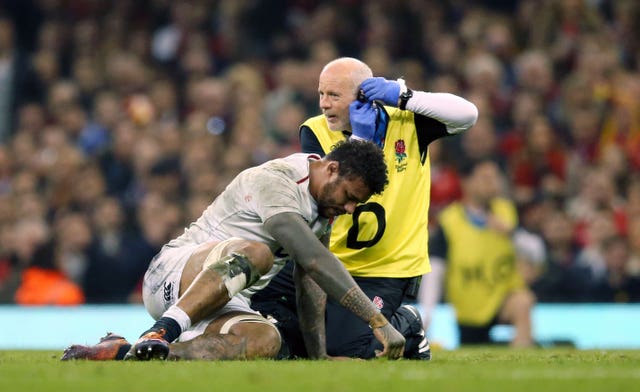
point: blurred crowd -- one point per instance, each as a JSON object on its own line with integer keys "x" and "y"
{"x": 120, "y": 121}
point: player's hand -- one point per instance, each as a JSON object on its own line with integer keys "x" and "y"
{"x": 362, "y": 116}
{"x": 392, "y": 341}
{"x": 387, "y": 91}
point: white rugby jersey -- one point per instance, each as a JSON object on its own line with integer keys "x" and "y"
{"x": 256, "y": 194}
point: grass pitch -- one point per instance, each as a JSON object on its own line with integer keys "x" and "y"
{"x": 477, "y": 369}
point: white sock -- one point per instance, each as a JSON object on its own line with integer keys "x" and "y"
{"x": 180, "y": 316}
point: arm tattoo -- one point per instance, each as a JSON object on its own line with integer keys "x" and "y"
{"x": 378, "y": 321}
{"x": 311, "y": 303}
{"x": 357, "y": 302}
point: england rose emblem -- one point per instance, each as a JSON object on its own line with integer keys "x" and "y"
{"x": 400, "y": 150}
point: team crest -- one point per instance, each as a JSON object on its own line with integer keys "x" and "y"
{"x": 401, "y": 156}
{"x": 378, "y": 302}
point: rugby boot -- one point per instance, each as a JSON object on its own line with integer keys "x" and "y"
{"x": 407, "y": 320}
{"x": 151, "y": 345}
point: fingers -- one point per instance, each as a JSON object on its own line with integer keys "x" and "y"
{"x": 392, "y": 341}
{"x": 356, "y": 105}
{"x": 371, "y": 84}
{"x": 369, "y": 88}
{"x": 360, "y": 106}
{"x": 393, "y": 352}
{"x": 379, "y": 88}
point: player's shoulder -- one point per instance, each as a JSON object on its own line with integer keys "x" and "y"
{"x": 294, "y": 167}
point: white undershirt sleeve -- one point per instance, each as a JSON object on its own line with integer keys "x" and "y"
{"x": 455, "y": 112}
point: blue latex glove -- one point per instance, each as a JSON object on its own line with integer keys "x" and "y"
{"x": 387, "y": 91}
{"x": 362, "y": 116}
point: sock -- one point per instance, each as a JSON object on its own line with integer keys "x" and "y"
{"x": 179, "y": 316}
{"x": 174, "y": 321}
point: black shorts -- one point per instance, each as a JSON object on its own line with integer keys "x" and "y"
{"x": 476, "y": 334}
{"x": 347, "y": 334}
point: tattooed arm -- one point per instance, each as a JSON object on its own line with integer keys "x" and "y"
{"x": 311, "y": 303}
{"x": 290, "y": 230}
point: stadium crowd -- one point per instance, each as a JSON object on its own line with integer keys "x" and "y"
{"x": 120, "y": 121}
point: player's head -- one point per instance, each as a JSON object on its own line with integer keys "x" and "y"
{"x": 355, "y": 171}
{"x": 338, "y": 87}
{"x": 481, "y": 181}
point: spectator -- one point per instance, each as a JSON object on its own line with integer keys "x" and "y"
{"x": 445, "y": 181}
{"x": 117, "y": 257}
{"x": 40, "y": 281}
{"x": 597, "y": 193}
{"x": 14, "y": 78}
{"x": 563, "y": 279}
{"x": 541, "y": 163}
{"x": 531, "y": 254}
{"x": 633, "y": 235}
{"x": 616, "y": 285}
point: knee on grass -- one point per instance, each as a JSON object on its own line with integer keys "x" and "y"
{"x": 261, "y": 337}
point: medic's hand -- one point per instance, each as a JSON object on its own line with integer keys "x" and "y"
{"x": 387, "y": 91}
{"x": 362, "y": 116}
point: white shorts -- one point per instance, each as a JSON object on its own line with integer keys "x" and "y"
{"x": 161, "y": 287}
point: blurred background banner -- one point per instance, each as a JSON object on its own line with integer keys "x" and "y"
{"x": 585, "y": 326}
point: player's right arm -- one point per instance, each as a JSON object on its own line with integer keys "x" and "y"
{"x": 311, "y": 303}
{"x": 290, "y": 230}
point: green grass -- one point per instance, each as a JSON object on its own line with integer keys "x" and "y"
{"x": 478, "y": 369}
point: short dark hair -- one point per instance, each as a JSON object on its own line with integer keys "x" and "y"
{"x": 359, "y": 158}
{"x": 467, "y": 168}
